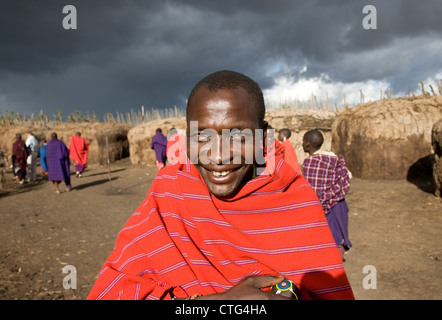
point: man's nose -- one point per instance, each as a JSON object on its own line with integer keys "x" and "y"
{"x": 219, "y": 151}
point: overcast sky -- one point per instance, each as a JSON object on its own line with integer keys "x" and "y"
{"x": 125, "y": 54}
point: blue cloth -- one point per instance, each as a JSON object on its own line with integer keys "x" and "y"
{"x": 57, "y": 160}
{"x": 43, "y": 164}
{"x": 159, "y": 144}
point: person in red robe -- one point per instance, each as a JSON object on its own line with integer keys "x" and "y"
{"x": 19, "y": 158}
{"x": 219, "y": 227}
{"x": 286, "y": 148}
{"x": 78, "y": 151}
{"x": 176, "y": 145}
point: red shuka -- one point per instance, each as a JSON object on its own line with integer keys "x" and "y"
{"x": 183, "y": 241}
{"x": 78, "y": 150}
{"x": 290, "y": 156}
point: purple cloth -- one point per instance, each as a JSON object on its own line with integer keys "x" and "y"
{"x": 79, "y": 167}
{"x": 337, "y": 220}
{"x": 57, "y": 160}
{"x": 159, "y": 144}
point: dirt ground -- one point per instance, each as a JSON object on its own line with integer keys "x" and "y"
{"x": 395, "y": 229}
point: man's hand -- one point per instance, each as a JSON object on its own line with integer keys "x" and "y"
{"x": 250, "y": 289}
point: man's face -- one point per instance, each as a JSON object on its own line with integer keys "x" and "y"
{"x": 305, "y": 145}
{"x": 225, "y": 161}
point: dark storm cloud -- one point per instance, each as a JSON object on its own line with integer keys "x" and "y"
{"x": 125, "y": 54}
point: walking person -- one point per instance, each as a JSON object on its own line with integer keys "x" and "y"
{"x": 32, "y": 146}
{"x": 159, "y": 145}
{"x": 57, "y": 159}
{"x": 78, "y": 152}
{"x": 43, "y": 164}
{"x": 328, "y": 175}
{"x": 19, "y": 159}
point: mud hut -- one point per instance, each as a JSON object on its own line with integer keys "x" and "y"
{"x": 387, "y": 139}
{"x": 299, "y": 121}
{"x": 140, "y": 138}
{"x": 94, "y": 132}
{"x": 436, "y": 143}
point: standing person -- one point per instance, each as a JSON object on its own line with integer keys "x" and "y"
{"x": 19, "y": 159}
{"x": 328, "y": 175}
{"x": 78, "y": 151}
{"x": 287, "y": 149}
{"x": 32, "y": 146}
{"x": 159, "y": 145}
{"x": 57, "y": 159}
{"x": 176, "y": 147}
{"x": 43, "y": 164}
{"x": 211, "y": 228}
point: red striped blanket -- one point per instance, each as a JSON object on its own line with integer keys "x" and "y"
{"x": 184, "y": 241}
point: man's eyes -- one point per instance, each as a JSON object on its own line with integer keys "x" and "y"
{"x": 234, "y": 135}
{"x": 200, "y": 137}
{"x": 238, "y": 136}
{"x": 204, "y": 137}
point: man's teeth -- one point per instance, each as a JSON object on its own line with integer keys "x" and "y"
{"x": 220, "y": 174}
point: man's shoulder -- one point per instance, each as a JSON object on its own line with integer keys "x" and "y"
{"x": 173, "y": 178}
{"x": 318, "y": 161}
{"x": 171, "y": 170}
{"x": 323, "y": 157}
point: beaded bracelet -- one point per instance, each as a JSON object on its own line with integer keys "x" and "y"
{"x": 192, "y": 297}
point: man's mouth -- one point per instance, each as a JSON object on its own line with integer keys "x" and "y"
{"x": 221, "y": 173}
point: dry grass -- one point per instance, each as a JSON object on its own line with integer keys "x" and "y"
{"x": 131, "y": 118}
{"x": 143, "y": 116}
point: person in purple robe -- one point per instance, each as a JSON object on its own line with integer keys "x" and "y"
{"x": 57, "y": 160}
{"x": 159, "y": 144}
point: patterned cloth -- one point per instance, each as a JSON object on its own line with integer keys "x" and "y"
{"x": 329, "y": 177}
{"x": 57, "y": 160}
{"x": 183, "y": 241}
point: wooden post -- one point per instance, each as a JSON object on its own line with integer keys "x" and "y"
{"x": 108, "y": 161}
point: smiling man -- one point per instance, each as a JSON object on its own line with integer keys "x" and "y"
{"x": 220, "y": 225}
{"x": 222, "y": 147}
